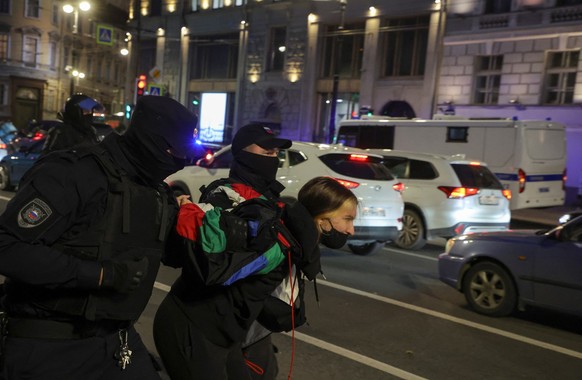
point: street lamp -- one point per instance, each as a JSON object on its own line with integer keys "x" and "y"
{"x": 69, "y": 8}
{"x": 75, "y": 76}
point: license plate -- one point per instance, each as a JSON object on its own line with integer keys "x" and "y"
{"x": 544, "y": 189}
{"x": 488, "y": 200}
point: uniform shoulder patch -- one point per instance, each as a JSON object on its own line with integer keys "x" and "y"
{"x": 33, "y": 213}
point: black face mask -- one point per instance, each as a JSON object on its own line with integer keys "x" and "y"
{"x": 333, "y": 238}
{"x": 263, "y": 166}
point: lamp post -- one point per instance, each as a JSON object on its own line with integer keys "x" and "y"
{"x": 69, "y": 8}
{"x": 75, "y": 76}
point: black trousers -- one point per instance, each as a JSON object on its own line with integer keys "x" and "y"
{"x": 84, "y": 359}
{"x": 187, "y": 354}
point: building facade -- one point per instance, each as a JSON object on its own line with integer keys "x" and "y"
{"x": 298, "y": 65}
{"x": 517, "y": 59}
{"x": 47, "y": 54}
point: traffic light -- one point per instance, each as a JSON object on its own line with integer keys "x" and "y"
{"x": 140, "y": 86}
{"x": 128, "y": 111}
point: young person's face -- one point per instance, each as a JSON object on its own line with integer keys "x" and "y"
{"x": 341, "y": 219}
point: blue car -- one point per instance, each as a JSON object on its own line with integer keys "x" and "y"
{"x": 501, "y": 271}
{"x": 15, "y": 164}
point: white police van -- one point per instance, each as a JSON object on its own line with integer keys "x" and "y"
{"x": 528, "y": 156}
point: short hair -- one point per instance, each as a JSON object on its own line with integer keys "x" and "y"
{"x": 322, "y": 195}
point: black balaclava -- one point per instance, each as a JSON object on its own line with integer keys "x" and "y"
{"x": 159, "y": 138}
{"x": 256, "y": 170}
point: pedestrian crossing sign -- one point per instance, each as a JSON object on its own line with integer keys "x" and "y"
{"x": 104, "y": 35}
{"x": 155, "y": 90}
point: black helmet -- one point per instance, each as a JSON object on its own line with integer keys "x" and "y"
{"x": 79, "y": 110}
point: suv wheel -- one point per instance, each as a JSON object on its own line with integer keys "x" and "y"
{"x": 4, "y": 179}
{"x": 412, "y": 234}
{"x": 365, "y": 248}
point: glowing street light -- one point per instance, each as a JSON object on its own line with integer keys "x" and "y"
{"x": 69, "y": 8}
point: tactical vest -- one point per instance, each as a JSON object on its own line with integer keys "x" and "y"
{"x": 135, "y": 224}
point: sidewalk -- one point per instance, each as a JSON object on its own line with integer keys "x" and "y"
{"x": 543, "y": 215}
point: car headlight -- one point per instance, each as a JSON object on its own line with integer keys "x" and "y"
{"x": 449, "y": 245}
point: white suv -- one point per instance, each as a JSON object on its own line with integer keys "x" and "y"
{"x": 446, "y": 196}
{"x": 380, "y": 206}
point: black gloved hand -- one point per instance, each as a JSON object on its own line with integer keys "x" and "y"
{"x": 235, "y": 230}
{"x": 124, "y": 276}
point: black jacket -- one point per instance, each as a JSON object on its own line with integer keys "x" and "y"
{"x": 61, "y": 200}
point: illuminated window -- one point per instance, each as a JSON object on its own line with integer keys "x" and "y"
{"x": 3, "y": 45}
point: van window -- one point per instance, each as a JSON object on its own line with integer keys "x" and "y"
{"x": 544, "y": 144}
{"x": 372, "y": 168}
{"x": 476, "y": 176}
{"x": 367, "y": 136}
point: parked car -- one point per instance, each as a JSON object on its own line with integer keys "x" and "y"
{"x": 380, "y": 203}
{"x": 499, "y": 271}
{"x": 15, "y": 164}
{"x": 7, "y": 133}
{"x": 446, "y": 196}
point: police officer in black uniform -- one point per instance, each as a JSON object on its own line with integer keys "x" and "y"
{"x": 80, "y": 246}
{"x": 77, "y": 128}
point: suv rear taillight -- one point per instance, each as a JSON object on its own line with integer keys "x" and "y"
{"x": 506, "y": 193}
{"x": 358, "y": 157}
{"x": 458, "y": 192}
{"x": 398, "y": 187}
{"x": 521, "y": 180}
{"x": 348, "y": 184}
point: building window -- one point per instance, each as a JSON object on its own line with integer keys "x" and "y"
{"x": 53, "y": 55}
{"x": 90, "y": 66}
{"x": 343, "y": 51}
{"x": 487, "y": 79}
{"x": 56, "y": 11}
{"x": 217, "y": 4}
{"x": 29, "y": 51}
{"x": 5, "y": 6}
{"x": 3, "y": 97}
{"x": 216, "y": 58}
{"x": 3, "y": 46}
{"x": 497, "y": 6}
{"x": 276, "y": 53}
{"x": 32, "y": 8}
{"x": 75, "y": 59}
{"x": 404, "y": 46}
{"x": 560, "y": 79}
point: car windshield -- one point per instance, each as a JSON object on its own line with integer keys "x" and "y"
{"x": 357, "y": 166}
{"x": 476, "y": 176}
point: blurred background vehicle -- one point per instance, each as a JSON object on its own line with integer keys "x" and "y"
{"x": 7, "y": 133}
{"x": 23, "y": 151}
{"x": 13, "y": 166}
{"x": 501, "y": 271}
{"x": 446, "y": 196}
{"x": 380, "y": 203}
